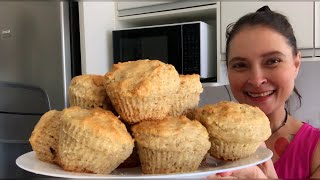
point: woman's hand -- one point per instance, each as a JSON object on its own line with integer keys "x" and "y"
{"x": 263, "y": 170}
{"x": 268, "y": 170}
{"x": 253, "y": 172}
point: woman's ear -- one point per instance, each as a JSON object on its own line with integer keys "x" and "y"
{"x": 297, "y": 63}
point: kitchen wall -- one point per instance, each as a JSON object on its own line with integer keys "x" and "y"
{"x": 96, "y": 36}
{"x": 307, "y": 83}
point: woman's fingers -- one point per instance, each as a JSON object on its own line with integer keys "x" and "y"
{"x": 220, "y": 175}
{"x": 268, "y": 169}
{"x": 250, "y": 172}
{"x": 264, "y": 170}
{"x": 245, "y": 173}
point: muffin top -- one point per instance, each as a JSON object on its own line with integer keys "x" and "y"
{"x": 172, "y": 134}
{"x": 234, "y": 122}
{"x": 190, "y": 83}
{"x": 88, "y": 86}
{"x": 98, "y": 123}
{"x": 143, "y": 78}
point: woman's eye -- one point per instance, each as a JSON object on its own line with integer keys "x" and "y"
{"x": 238, "y": 66}
{"x": 273, "y": 61}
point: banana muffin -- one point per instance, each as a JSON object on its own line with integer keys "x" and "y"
{"x": 188, "y": 96}
{"x": 92, "y": 141}
{"x": 236, "y": 130}
{"x": 44, "y": 139}
{"x": 172, "y": 145}
{"x": 142, "y": 90}
{"x": 87, "y": 91}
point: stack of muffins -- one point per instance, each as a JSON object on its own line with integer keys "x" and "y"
{"x": 138, "y": 114}
{"x": 151, "y": 96}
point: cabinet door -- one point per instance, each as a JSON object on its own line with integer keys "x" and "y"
{"x": 137, "y": 4}
{"x": 144, "y": 7}
{"x": 300, "y": 15}
{"x": 317, "y": 28}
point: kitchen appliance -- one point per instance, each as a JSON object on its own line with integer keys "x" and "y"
{"x": 39, "y": 54}
{"x": 188, "y": 46}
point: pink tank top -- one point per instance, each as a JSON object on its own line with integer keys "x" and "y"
{"x": 295, "y": 162}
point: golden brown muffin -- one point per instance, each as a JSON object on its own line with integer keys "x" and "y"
{"x": 45, "y": 136}
{"x": 188, "y": 96}
{"x": 172, "y": 145}
{"x": 93, "y": 141}
{"x": 235, "y": 130}
{"x": 142, "y": 90}
{"x": 87, "y": 91}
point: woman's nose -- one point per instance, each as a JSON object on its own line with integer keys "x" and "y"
{"x": 257, "y": 78}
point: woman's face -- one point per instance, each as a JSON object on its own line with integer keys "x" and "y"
{"x": 262, "y": 68}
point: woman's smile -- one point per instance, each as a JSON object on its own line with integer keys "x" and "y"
{"x": 259, "y": 96}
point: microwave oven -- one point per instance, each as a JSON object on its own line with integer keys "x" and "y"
{"x": 187, "y": 46}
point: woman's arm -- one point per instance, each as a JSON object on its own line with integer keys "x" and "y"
{"x": 316, "y": 173}
{"x": 315, "y": 166}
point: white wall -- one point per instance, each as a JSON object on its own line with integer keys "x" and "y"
{"x": 95, "y": 34}
{"x": 308, "y": 85}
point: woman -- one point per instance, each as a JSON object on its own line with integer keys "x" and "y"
{"x": 263, "y": 62}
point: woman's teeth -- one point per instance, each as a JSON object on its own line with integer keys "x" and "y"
{"x": 260, "y": 94}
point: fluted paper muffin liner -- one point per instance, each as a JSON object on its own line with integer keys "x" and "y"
{"x": 78, "y": 152}
{"x": 89, "y": 103}
{"x": 136, "y": 109}
{"x": 231, "y": 150}
{"x": 164, "y": 162}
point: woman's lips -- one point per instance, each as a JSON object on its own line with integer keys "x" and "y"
{"x": 261, "y": 96}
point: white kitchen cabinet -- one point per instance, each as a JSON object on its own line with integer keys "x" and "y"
{"x": 137, "y": 7}
{"x": 300, "y": 15}
{"x": 137, "y": 4}
{"x": 317, "y": 28}
{"x": 132, "y": 8}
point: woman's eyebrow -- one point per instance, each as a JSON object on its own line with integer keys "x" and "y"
{"x": 237, "y": 58}
{"x": 272, "y": 53}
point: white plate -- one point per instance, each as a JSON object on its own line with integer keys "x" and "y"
{"x": 29, "y": 162}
